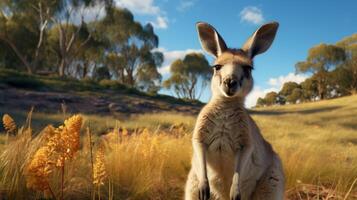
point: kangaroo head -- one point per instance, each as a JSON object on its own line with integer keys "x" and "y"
{"x": 232, "y": 67}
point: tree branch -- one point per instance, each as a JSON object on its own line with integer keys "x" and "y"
{"x": 18, "y": 53}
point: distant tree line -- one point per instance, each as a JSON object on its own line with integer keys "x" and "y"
{"x": 334, "y": 74}
{"x": 91, "y": 39}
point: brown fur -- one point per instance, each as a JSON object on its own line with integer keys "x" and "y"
{"x": 234, "y": 56}
{"x": 231, "y": 159}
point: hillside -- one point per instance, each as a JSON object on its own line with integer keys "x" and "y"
{"x": 19, "y": 92}
{"x": 339, "y": 113}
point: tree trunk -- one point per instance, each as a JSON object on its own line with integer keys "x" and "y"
{"x": 122, "y": 76}
{"x": 321, "y": 90}
{"x": 191, "y": 89}
{"x": 85, "y": 69}
{"x": 321, "y": 95}
{"x": 130, "y": 75}
{"x": 43, "y": 25}
{"x": 131, "y": 81}
{"x": 61, "y": 68}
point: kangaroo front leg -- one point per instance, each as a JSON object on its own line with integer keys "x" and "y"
{"x": 199, "y": 150}
{"x": 240, "y": 168}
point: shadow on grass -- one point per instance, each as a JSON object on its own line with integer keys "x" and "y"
{"x": 350, "y": 126}
{"x": 307, "y": 111}
{"x": 349, "y": 140}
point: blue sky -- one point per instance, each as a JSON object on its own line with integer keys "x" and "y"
{"x": 303, "y": 24}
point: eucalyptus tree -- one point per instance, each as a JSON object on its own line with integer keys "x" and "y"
{"x": 320, "y": 60}
{"x": 271, "y": 98}
{"x": 78, "y": 57}
{"x": 23, "y": 26}
{"x": 347, "y": 76}
{"x": 70, "y": 31}
{"x": 147, "y": 77}
{"x": 189, "y": 76}
{"x": 295, "y": 96}
{"x": 309, "y": 89}
{"x": 288, "y": 88}
{"x": 130, "y": 48}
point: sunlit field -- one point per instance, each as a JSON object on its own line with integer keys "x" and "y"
{"x": 148, "y": 156}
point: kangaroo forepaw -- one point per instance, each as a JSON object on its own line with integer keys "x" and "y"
{"x": 234, "y": 194}
{"x": 204, "y": 191}
{"x": 236, "y": 197}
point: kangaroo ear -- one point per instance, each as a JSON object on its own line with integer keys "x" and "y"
{"x": 210, "y": 39}
{"x": 261, "y": 40}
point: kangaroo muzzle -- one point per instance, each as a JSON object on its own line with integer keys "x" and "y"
{"x": 230, "y": 85}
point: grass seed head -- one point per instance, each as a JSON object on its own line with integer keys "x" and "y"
{"x": 66, "y": 140}
{"x": 39, "y": 169}
{"x": 62, "y": 144}
{"x": 99, "y": 171}
{"x": 9, "y": 123}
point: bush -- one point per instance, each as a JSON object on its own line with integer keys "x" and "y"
{"x": 111, "y": 84}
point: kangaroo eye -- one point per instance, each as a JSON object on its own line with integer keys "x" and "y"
{"x": 247, "y": 71}
{"x": 248, "y": 67}
{"x": 217, "y": 67}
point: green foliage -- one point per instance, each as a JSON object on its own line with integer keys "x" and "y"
{"x": 24, "y": 80}
{"x": 129, "y": 54}
{"x": 288, "y": 88}
{"x": 295, "y": 96}
{"x": 347, "y": 78}
{"x": 260, "y": 102}
{"x": 271, "y": 98}
{"x": 320, "y": 60}
{"x": 188, "y": 74}
{"x": 101, "y": 73}
{"x": 309, "y": 89}
{"x": 59, "y": 41}
{"x": 111, "y": 84}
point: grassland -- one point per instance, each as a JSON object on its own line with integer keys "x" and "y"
{"x": 148, "y": 157}
{"x": 317, "y": 142}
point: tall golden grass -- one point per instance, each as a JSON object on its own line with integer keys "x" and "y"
{"x": 317, "y": 143}
{"x": 138, "y": 164}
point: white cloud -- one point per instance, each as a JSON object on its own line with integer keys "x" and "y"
{"x": 146, "y": 7}
{"x": 252, "y": 14}
{"x": 139, "y": 6}
{"x": 275, "y": 85}
{"x": 185, "y": 5}
{"x": 291, "y": 77}
{"x": 160, "y": 23}
{"x": 88, "y": 14}
{"x": 170, "y": 56}
{"x": 257, "y": 92}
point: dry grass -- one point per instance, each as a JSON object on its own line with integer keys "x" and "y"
{"x": 316, "y": 141}
{"x": 148, "y": 165}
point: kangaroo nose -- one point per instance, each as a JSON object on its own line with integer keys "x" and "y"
{"x": 230, "y": 83}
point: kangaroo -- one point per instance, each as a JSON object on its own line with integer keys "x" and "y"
{"x": 231, "y": 159}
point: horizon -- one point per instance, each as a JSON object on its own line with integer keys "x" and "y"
{"x": 240, "y": 19}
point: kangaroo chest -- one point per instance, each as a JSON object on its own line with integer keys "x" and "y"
{"x": 228, "y": 132}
